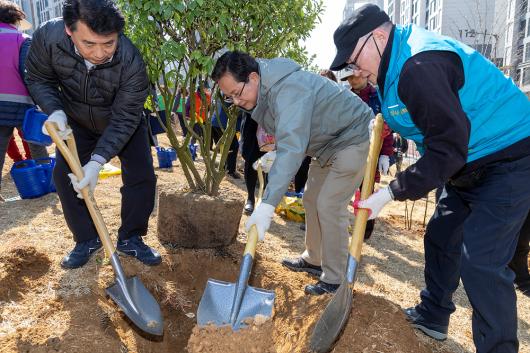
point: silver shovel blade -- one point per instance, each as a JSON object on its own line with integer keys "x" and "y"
{"x": 217, "y": 300}
{"x": 330, "y": 325}
{"x": 138, "y": 304}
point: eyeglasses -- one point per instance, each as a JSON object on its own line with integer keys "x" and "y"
{"x": 237, "y": 95}
{"x": 353, "y": 64}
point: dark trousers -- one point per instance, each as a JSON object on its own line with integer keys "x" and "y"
{"x": 519, "y": 263}
{"x": 300, "y": 178}
{"x": 251, "y": 178}
{"x": 472, "y": 236}
{"x": 182, "y": 124}
{"x": 231, "y": 158}
{"x": 137, "y": 192}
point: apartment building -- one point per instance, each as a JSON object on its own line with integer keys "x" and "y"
{"x": 515, "y": 15}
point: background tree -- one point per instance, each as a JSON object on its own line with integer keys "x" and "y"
{"x": 180, "y": 40}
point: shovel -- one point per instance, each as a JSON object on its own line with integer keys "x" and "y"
{"x": 129, "y": 293}
{"x": 335, "y": 316}
{"x": 225, "y": 303}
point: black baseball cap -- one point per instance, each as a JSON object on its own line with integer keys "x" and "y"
{"x": 363, "y": 20}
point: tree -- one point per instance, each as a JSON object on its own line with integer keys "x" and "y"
{"x": 180, "y": 40}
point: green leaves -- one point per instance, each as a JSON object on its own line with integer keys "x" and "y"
{"x": 180, "y": 41}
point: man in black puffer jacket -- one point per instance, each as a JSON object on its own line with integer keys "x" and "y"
{"x": 87, "y": 76}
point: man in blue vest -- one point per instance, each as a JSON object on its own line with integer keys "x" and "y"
{"x": 472, "y": 126}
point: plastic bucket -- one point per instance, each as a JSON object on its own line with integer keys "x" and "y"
{"x": 32, "y": 127}
{"x": 172, "y": 153}
{"x": 47, "y": 164}
{"x": 164, "y": 158}
{"x": 30, "y": 179}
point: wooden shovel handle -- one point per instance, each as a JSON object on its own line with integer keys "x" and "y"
{"x": 359, "y": 225}
{"x": 72, "y": 158}
{"x": 252, "y": 237}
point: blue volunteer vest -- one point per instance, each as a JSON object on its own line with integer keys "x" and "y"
{"x": 498, "y": 111}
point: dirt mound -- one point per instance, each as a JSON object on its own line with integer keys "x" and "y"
{"x": 91, "y": 323}
{"x": 20, "y": 269}
{"x": 375, "y": 324}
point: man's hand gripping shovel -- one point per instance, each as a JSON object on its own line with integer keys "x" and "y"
{"x": 128, "y": 293}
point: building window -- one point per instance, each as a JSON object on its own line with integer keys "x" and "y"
{"x": 527, "y": 52}
{"x": 526, "y": 76}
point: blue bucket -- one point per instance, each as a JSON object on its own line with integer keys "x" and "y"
{"x": 30, "y": 179}
{"x": 172, "y": 153}
{"x": 47, "y": 164}
{"x": 164, "y": 157}
{"x": 32, "y": 127}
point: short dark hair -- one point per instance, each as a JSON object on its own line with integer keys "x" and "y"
{"x": 101, "y": 16}
{"x": 329, "y": 74}
{"x": 238, "y": 64}
{"x": 10, "y": 12}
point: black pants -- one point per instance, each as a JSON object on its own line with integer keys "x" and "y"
{"x": 231, "y": 159}
{"x": 472, "y": 236}
{"x": 251, "y": 178}
{"x": 182, "y": 124}
{"x": 301, "y": 176}
{"x": 138, "y": 190}
{"x": 519, "y": 263}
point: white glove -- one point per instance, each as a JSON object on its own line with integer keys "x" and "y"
{"x": 90, "y": 179}
{"x": 376, "y": 201}
{"x": 266, "y": 161}
{"x": 59, "y": 118}
{"x": 261, "y": 217}
{"x": 384, "y": 164}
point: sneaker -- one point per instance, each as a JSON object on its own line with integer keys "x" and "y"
{"x": 249, "y": 207}
{"x": 301, "y": 265}
{"x": 321, "y": 288}
{"x": 81, "y": 253}
{"x": 135, "y": 246}
{"x": 438, "y": 332}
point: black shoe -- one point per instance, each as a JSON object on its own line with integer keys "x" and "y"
{"x": 438, "y": 332}
{"x": 234, "y": 174}
{"x": 135, "y": 246}
{"x": 321, "y": 288}
{"x": 81, "y": 253}
{"x": 524, "y": 288}
{"x": 249, "y": 207}
{"x": 301, "y": 265}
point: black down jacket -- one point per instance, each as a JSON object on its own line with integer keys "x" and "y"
{"x": 107, "y": 100}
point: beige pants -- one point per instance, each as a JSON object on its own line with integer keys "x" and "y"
{"x": 328, "y": 192}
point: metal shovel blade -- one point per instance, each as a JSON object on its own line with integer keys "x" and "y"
{"x": 136, "y": 302}
{"x": 217, "y": 301}
{"x": 336, "y": 314}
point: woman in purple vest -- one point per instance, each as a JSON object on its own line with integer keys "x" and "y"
{"x": 14, "y": 97}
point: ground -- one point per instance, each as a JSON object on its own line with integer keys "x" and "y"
{"x": 44, "y": 308}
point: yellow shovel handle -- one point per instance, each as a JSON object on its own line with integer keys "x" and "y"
{"x": 359, "y": 225}
{"x": 252, "y": 237}
{"x": 72, "y": 158}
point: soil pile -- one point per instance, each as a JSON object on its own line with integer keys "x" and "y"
{"x": 375, "y": 324}
{"x": 92, "y": 323}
